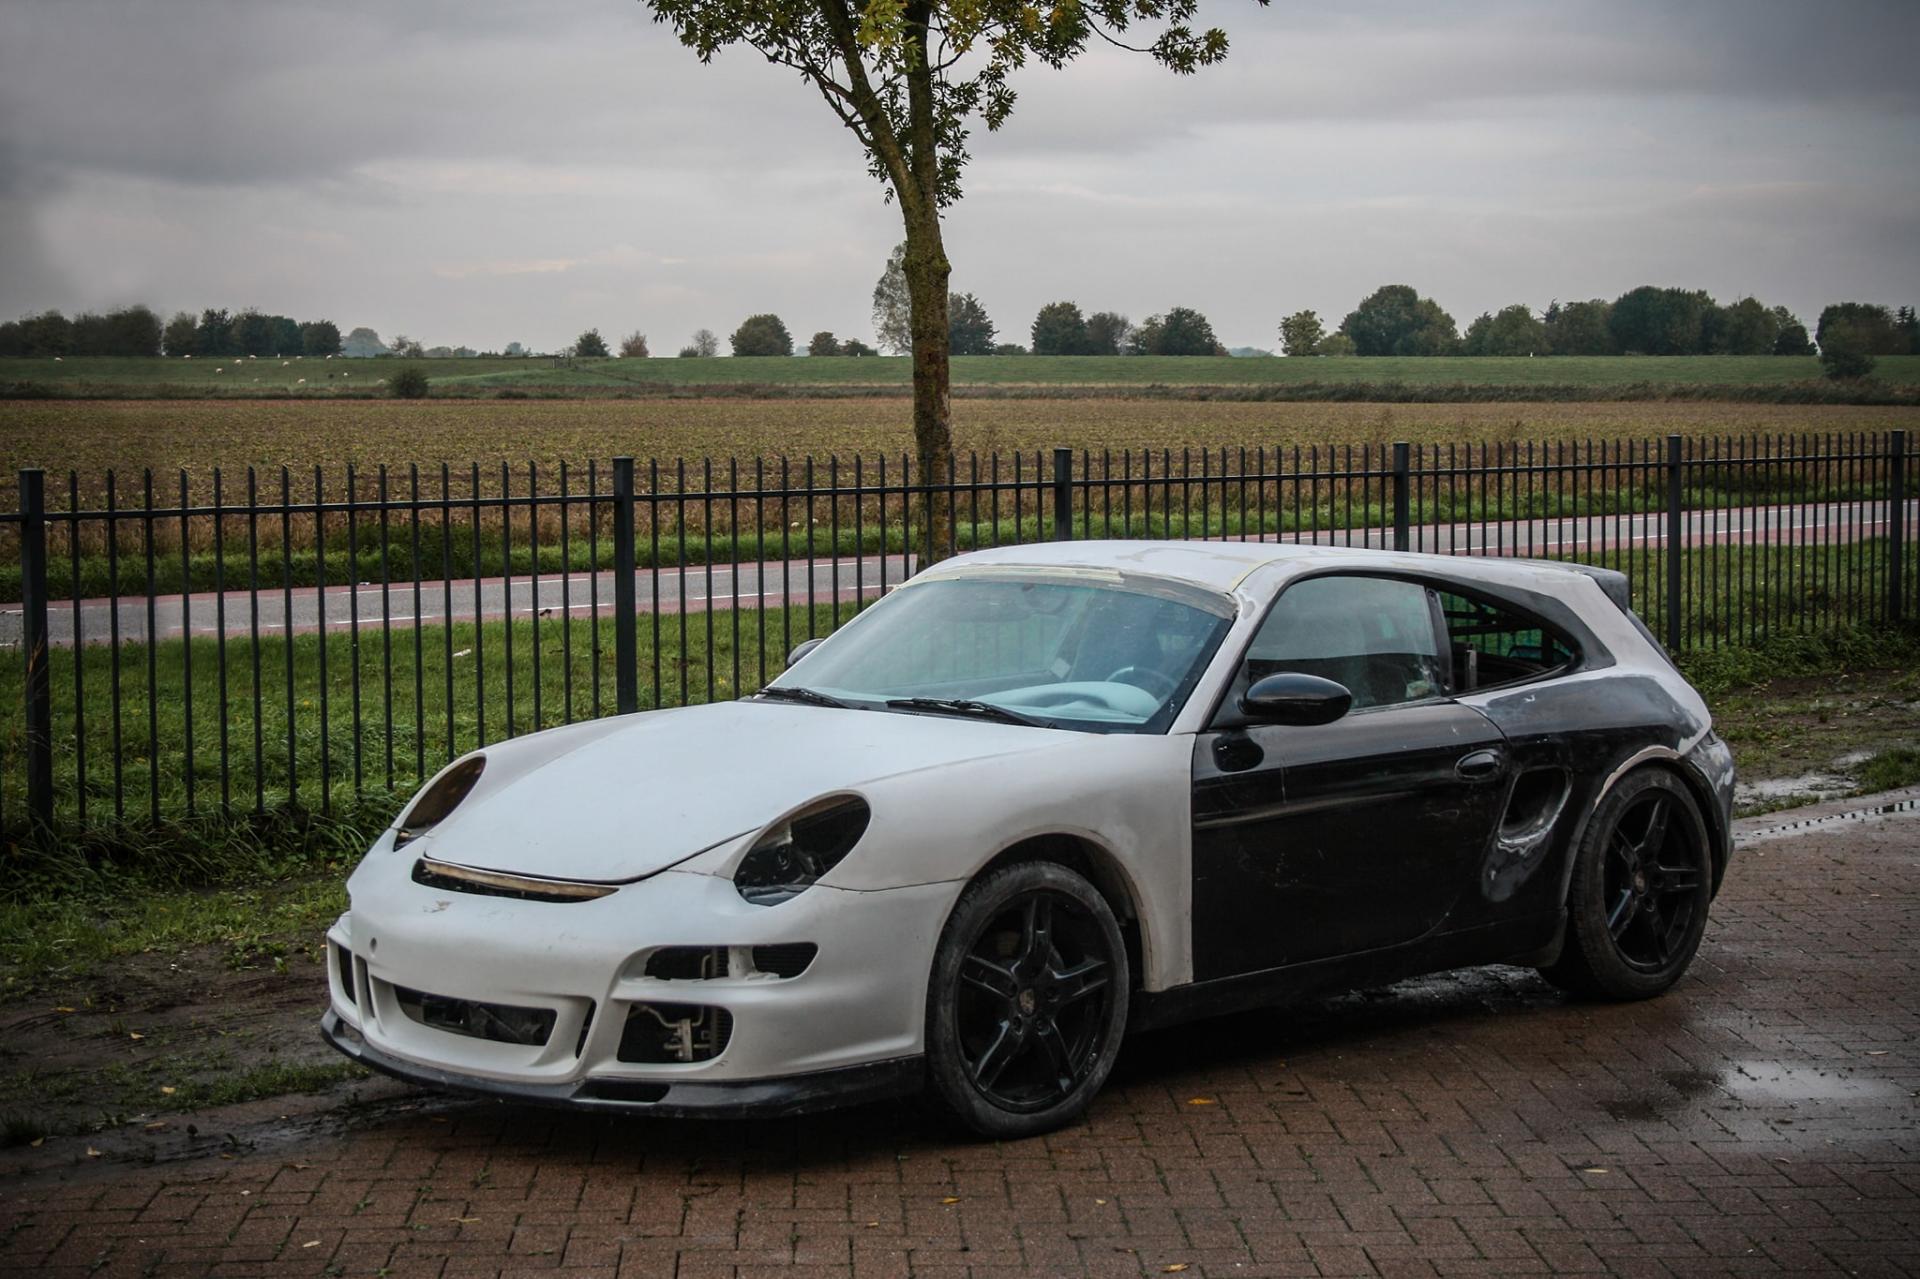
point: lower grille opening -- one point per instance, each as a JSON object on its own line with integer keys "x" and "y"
{"x": 501, "y": 1023}
{"x": 343, "y": 960}
{"x": 789, "y": 959}
{"x": 662, "y": 1034}
{"x": 687, "y": 963}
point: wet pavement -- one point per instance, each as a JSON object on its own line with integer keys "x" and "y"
{"x": 1761, "y": 1119}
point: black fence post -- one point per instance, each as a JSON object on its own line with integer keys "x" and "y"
{"x": 33, "y": 618}
{"x": 1402, "y": 532}
{"x": 1063, "y": 495}
{"x": 626, "y": 675}
{"x": 1896, "y": 525}
{"x": 1676, "y": 537}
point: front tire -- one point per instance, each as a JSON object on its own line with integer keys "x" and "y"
{"x": 1027, "y": 1001}
{"x": 1642, "y": 881}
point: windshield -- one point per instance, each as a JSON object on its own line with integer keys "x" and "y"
{"x": 1069, "y": 654}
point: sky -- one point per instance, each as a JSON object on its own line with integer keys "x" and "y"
{"x": 483, "y": 171}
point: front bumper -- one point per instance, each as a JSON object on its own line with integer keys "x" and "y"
{"x": 848, "y": 1026}
{"x": 735, "y": 1099}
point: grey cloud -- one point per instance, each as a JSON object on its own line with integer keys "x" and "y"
{"x": 492, "y": 170}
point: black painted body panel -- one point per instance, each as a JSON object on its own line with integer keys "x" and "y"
{"x": 1351, "y": 836}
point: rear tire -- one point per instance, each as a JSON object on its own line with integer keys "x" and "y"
{"x": 1642, "y": 881}
{"x": 1027, "y": 1001}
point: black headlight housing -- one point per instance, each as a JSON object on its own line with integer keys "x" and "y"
{"x": 439, "y": 799}
{"x": 790, "y": 857}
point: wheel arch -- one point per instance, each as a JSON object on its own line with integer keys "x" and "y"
{"x": 1667, "y": 760}
{"x": 1100, "y": 867}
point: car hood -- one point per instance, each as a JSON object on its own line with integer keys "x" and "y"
{"x": 614, "y": 804}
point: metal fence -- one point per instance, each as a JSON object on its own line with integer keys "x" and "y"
{"x": 190, "y": 646}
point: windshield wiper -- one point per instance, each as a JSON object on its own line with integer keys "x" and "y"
{"x": 794, "y": 693}
{"x": 961, "y": 706}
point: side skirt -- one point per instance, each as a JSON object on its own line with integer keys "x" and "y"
{"x": 1512, "y": 941}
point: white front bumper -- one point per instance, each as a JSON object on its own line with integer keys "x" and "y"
{"x": 861, "y": 1000}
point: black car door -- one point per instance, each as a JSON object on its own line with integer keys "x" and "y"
{"x": 1310, "y": 843}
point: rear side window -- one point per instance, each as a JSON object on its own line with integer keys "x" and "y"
{"x": 1494, "y": 644}
{"x": 1373, "y": 634}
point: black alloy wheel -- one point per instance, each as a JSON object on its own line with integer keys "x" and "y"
{"x": 1028, "y": 1000}
{"x": 1650, "y": 883}
{"x": 1642, "y": 882}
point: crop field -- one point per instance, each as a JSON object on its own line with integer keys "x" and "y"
{"x": 198, "y": 435}
{"x": 338, "y": 377}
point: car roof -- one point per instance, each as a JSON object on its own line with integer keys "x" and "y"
{"x": 1224, "y": 567}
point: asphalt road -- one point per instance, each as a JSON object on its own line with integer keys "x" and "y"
{"x": 795, "y": 582}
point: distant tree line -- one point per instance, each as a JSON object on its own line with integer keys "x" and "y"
{"x": 1396, "y": 320}
{"x": 133, "y": 330}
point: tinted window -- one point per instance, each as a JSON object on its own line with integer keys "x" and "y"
{"x": 1372, "y": 634}
{"x": 1494, "y": 644}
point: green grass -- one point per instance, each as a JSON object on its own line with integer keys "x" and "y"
{"x": 62, "y": 933}
{"x": 273, "y": 1079}
{"x": 1890, "y": 770}
{"x": 113, "y": 376}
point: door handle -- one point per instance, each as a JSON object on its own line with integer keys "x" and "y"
{"x": 1478, "y": 764}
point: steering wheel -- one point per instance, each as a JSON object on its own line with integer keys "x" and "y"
{"x": 1145, "y": 677}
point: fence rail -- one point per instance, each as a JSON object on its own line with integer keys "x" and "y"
{"x": 206, "y": 647}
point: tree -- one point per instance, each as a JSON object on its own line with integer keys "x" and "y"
{"x": 1747, "y": 328}
{"x": 1867, "y": 326}
{"x": 1907, "y": 326}
{"x": 854, "y": 346}
{"x": 1335, "y": 344}
{"x": 1300, "y": 333}
{"x": 1846, "y": 347}
{"x": 408, "y": 384}
{"x": 1579, "y": 328}
{"x": 320, "y": 337}
{"x": 634, "y": 346}
{"x": 1060, "y": 329}
{"x": 1009, "y": 348}
{"x": 823, "y": 343}
{"x": 893, "y": 305}
{"x": 182, "y": 334}
{"x": 252, "y": 333}
{"x": 891, "y": 71}
{"x": 762, "y": 335}
{"x": 1514, "y": 331}
{"x": 1181, "y": 331}
{"x": 1108, "y": 333}
{"x": 969, "y": 330}
{"x": 590, "y": 345}
{"x": 408, "y": 347}
{"x": 1395, "y": 320}
{"x": 704, "y": 344}
{"x": 1475, "y": 341}
{"x": 1793, "y": 338}
{"x": 1654, "y": 321}
{"x": 215, "y": 335}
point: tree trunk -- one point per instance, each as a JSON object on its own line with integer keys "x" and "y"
{"x": 927, "y": 273}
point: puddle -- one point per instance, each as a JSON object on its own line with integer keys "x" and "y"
{"x": 1754, "y": 1082}
{"x": 1774, "y": 1081}
{"x": 1770, "y": 791}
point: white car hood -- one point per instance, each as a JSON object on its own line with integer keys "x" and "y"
{"x": 665, "y": 785}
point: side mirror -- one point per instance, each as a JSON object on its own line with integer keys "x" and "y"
{"x": 804, "y": 647}
{"x": 1293, "y": 698}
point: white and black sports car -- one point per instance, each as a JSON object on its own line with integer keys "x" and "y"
{"x": 1033, "y": 798}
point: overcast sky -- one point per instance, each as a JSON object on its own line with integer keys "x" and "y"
{"x": 486, "y": 171}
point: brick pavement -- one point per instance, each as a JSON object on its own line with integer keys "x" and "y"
{"x": 1760, "y": 1120}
